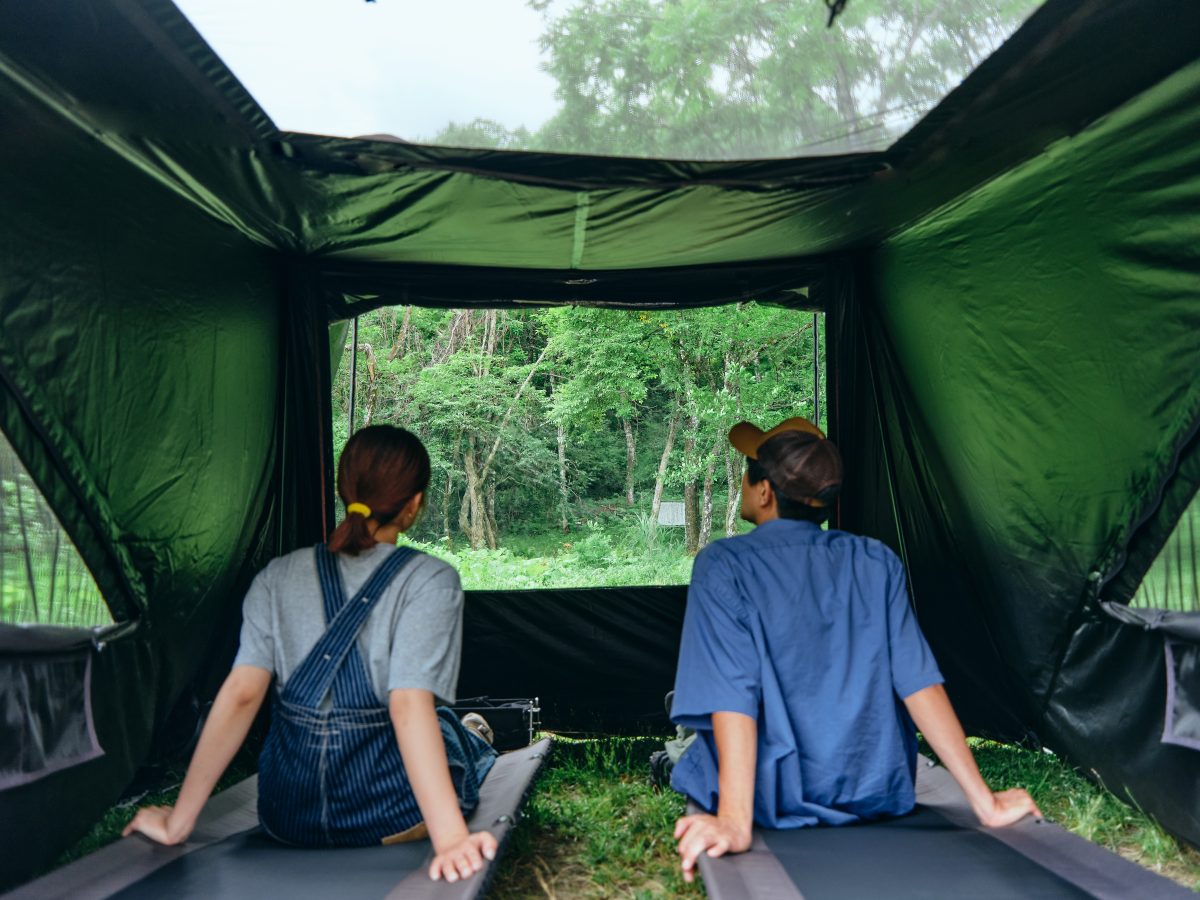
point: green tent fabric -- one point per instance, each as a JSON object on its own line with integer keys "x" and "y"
{"x": 1032, "y": 422}
{"x": 1013, "y": 291}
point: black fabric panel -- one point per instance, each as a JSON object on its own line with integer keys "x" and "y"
{"x": 356, "y": 288}
{"x": 599, "y": 660}
{"x": 1108, "y": 713}
{"x": 921, "y": 856}
{"x": 307, "y": 478}
{"x": 896, "y": 491}
{"x": 1185, "y": 626}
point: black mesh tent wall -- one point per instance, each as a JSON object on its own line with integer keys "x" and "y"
{"x": 1014, "y": 299}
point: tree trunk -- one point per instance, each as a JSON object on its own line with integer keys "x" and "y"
{"x": 691, "y": 523}
{"x": 562, "y": 480}
{"x": 656, "y": 503}
{"x": 401, "y": 345}
{"x": 630, "y": 460}
{"x": 473, "y": 500}
{"x": 706, "y": 502}
{"x": 446, "y": 502}
{"x": 371, "y": 394}
{"x": 733, "y": 483}
{"x": 490, "y": 528}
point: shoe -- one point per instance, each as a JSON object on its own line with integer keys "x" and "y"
{"x": 660, "y": 769}
{"x": 478, "y": 725}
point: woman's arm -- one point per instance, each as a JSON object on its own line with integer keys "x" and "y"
{"x": 232, "y": 714}
{"x": 459, "y": 853}
{"x": 931, "y": 711}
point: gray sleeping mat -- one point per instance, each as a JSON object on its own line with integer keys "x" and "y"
{"x": 938, "y": 852}
{"x": 229, "y": 857}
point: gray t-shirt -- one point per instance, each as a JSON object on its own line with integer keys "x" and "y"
{"x": 411, "y": 639}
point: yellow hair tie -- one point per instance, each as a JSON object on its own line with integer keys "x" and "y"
{"x": 360, "y": 508}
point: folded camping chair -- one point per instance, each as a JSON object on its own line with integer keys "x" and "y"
{"x": 228, "y": 856}
{"x": 938, "y": 852}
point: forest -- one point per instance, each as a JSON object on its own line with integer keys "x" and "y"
{"x": 561, "y": 432}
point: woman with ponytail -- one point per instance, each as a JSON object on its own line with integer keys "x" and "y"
{"x": 361, "y": 639}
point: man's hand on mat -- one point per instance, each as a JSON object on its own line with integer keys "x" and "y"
{"x": 712, "y": 834}
{"x": 464, "y": 858}
{"x": 1008, "y": 807}
{"x": 155, "y": 823}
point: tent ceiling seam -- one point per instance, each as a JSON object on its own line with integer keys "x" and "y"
{"x": 583, "y": 202}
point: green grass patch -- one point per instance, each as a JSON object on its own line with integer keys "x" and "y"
{"x": 594, "y": 828}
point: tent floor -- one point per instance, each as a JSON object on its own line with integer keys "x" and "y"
{"x": 938, "y": 852}
{"x": 229, "y": 857}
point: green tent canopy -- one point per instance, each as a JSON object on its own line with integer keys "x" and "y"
{"x": 1013, "y": 295}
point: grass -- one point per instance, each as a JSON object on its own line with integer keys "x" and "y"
{"x": 612, "y": 547}
{"x": 595, "y": 828}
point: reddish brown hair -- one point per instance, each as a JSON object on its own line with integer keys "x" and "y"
{"x": 383, "y": 467}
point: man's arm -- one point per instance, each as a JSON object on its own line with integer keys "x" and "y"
{"x": 934, "y": 716}
{"x": 729, "y": 830}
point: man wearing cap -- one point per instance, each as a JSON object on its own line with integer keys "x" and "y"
{"x": 802, "y": 668}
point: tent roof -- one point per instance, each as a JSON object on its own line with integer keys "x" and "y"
{"x": 388, "y": 222}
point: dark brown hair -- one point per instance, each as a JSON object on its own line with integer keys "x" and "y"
{"x": 383, "y": 467}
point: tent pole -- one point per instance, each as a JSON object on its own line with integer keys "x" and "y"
{"x": 353, "y": 372}
{"x": 816, "y": 370}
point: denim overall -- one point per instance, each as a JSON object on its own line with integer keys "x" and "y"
{"x": 330, "y": 774}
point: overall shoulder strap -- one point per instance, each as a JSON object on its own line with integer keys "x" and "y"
{"x": 314, "y": 676}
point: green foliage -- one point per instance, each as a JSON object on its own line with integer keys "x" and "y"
{"x": 489, "y": 390}
{"x": 735, "y": 79}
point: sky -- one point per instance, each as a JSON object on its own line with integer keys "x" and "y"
{"x": 400, "y": 67}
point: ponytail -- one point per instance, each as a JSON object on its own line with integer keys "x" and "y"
{"x": 381, "y": 469}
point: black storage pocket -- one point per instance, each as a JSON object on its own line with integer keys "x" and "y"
{"x": 46, "y": 705}
{"x": 1183, "y": 694}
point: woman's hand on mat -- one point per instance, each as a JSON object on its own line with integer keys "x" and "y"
{"x": 1008, "y": 807}
{"x": 712, "y": 834}
{"x": 156, "y": 823}
{"x": 463, "y": 858}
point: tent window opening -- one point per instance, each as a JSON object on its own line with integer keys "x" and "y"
{"x": 565, "y": 442}
{"x": 1173, "y": 581}
{"x": 43, "y": 580}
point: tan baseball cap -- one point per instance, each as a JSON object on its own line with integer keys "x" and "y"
{"x": 747, "y": 438}
{"x": 801, "y": 462}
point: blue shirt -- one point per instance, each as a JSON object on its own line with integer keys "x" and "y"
{"x": 810, "y": 633}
